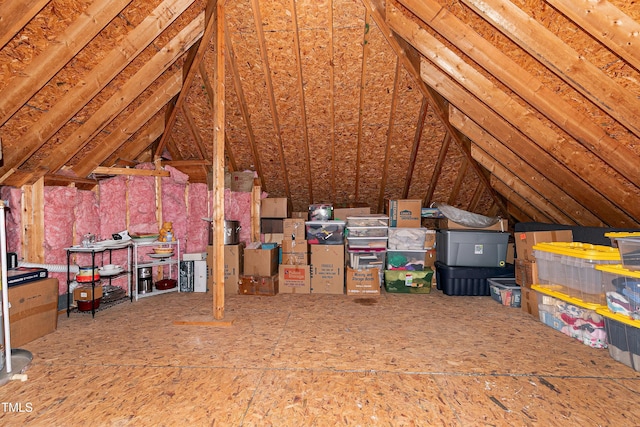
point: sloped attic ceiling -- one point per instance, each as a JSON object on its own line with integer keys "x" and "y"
{"x": 526, "y": 109}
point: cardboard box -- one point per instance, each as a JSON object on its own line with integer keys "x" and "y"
{"x": 363, "y": 282}
{"x": 529, "y": 301}
{"x": 233, "y": 266}
{"x": 295, "y": 252}
{"x": 274, "y": 207}
{"x": 83, "y": 293}
{"x": 260, "y": 262}
{"x": 343, "y": 213}
{"x": 271, "y": 225}
{"x": 294, "y": 279}
{"x": 526, "y": 272}
{"x": 20, "y": 275}
{"x": 294, "y": 229}
{"x": 445, "y": 223}
{"x": 258, "y": 285}
{"x": 526, "y": 240}
{"x": 273, "y": 238}
{"x": 302, "y": 215}
{"x": 241, "y": 181}
{"x": 327, "y": 269}
{"x": 34, "y": 310}
{"x": 405, "y": 213}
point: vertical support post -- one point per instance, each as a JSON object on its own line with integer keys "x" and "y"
{"x": 255, "y": 212}
{"x": 218, "y": 165}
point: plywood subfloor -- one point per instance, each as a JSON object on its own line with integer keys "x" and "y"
{"x": 318, "y": 360}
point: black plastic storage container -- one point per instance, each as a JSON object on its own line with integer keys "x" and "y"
{"x": 468, "y": 280}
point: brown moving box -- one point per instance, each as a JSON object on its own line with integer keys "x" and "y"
{"x": 526, "y": 272}
{"x": 295, "y": 252}
{"x": 501, "y": 225}
{"x": 327, "y": 269}
{"x": 274, "y": 207}
{"x": 258, "y": 285}
{"x": 34, "y": 310}
{"x": 526, "y": 240}
{"x": 260, "y": 262}
{"x": 294, "y": 229}
{"x": 363, "y": 282}
{"x": 294, "y": 279}
{"x": 405, "y": 213}
{"x": 529, "y": 302}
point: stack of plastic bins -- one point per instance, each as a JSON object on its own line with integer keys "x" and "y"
{"x": 623, "y": 337}
{"x": 406, "y": 268}
{"x": 568, "y": 268}
{"x": 571, "y": 316}
{"x": 466, "y": 259}
{"x": 615, "y": 235}
{"x": 367, "y": 237}
{"x": 629, "y": 252}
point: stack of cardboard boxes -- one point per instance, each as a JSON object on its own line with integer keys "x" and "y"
{"x": 294, "y": 271}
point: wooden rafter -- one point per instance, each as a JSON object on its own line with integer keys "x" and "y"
{"x": 417, "y": 137}
{"x": 387, "y": 151}
{"x": 527, "y": 86}
{"x": 529, "y": 152}
{"x": 332, "y": 102}
{"x": 522, "y": 170}
{"x": 132, "y": 124}
{"x": 558, "y": 57}
{"x": 303, "y": 112}
{"x": 189, "y": 71}
{"x": 437, "y": 170}
{"x": 61, "y": 51}
{"x": 377, "y": 7}
{"x": 457, "y": 185}
{"x": 520, "y": 187}
{"x": 607, "y": 24}
{"x": 128, "y": 92}
{"x": 538, "y": 133}
{"x": 100, "y": 170}
{"x": 520, "y": 202}
{"x": 244, "y": 109}
{"x": 257, "y": 17}
{"x": 193, "y": 130}
{"x": 133, "y": 148}
{"x": 15, "y": 15}
{"x": 96, "y": 79}
{"x": 361, "y": 92}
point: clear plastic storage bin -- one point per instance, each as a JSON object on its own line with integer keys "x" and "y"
{"x": 401, "y": 238}
{"x": 325, "y": 232}
{"x": 372, "y": 220}
{"x": 621, "y": 288}
{"x": 629, "y": 252}
{"x": 571, "y": 266}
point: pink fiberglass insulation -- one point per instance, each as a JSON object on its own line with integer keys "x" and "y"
{"x": 142, "y": 205}
{"x": 237, "y": 207}
{"x": 174, "y": 206}
{"x": 59, "y": 217}
{"x": 113, "y": 206}
{"x": 13, "y": 219}
{"x": 197, "y": 228}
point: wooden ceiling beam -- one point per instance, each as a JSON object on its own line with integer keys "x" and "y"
{"x": 15, "y": 15}
{"x": 417, "y": 137}
{"x": 544, "y": 137}
{"x": 303, "y": 111}
{"x": 437, "y": 170}
{"x": 520, "y": 202}
{"x": 520, "y": 187}
{"x": 455, "y": 190}
{"x": 59, "y": 52}
{"x": 244, "y": 108}
{"x": 453, "y": 67}
{"x": 257, "y": 18}
{"x": 128, "y": 92}
{"x": 190, "y": 67}
{"x": 605, "y": 23}
{"x": 361, "y": 94}
{"x": 100, "y": 170}
{"x": 97, "y": 79}
{"x": 576, "y": 123}
{"x": 404, "y": 50}
{"x": 498, "y": 127}
{"x": 140, "y": 116}
{"x": 389, "y": 142}
{"x": 583, "y": 76}
{"x": 511, "y": 161}
{"x": 132, "y": 149}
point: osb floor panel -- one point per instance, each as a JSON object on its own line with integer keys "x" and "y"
{"x": 318, "y": 360}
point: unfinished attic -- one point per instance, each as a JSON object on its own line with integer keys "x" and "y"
{"x": 320, "y": 212}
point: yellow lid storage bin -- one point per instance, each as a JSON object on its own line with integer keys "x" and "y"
{"x": 622, "y": 289}
{"x": 571, "y": 266}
